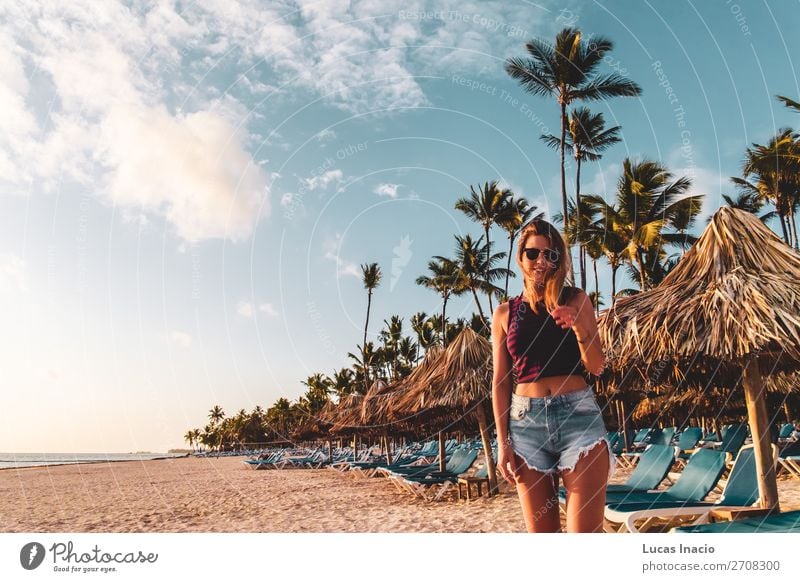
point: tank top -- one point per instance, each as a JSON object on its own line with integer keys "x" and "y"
{"x": 538, "y": 346}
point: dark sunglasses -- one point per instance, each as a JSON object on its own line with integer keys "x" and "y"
{"x": 550, "y": 255}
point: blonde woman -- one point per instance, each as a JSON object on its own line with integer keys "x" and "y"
{"x": 544, "y": 344}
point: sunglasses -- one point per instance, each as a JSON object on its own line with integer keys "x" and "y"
{"x": 550, "y": 255}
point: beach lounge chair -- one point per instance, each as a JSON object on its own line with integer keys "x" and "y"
{"x": 433, "y": 485}
{"x": 701, "y": 474}
{"x": 658, "y": 436}
{"x": 786, "y": 522}
{"x": 268, "y": 462}
{"x": 789, "y": 459}
{"x": 739, "y": 493}
{"x": 785, "y": 432}
{"x": 648, "y": 474}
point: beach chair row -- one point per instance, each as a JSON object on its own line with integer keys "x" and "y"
{"x": 639, "y": 506}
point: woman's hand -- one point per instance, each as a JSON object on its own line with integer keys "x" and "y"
{"x": 566, "y": 316}
{"x": 507, "y": 463}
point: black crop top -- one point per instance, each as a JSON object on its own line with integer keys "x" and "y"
{"x": 538, "y": 346}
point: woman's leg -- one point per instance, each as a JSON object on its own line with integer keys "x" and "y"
{"x": 586, "y": 490}
{"x": 537, "y": 494}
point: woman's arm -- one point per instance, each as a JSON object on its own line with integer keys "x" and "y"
{"x": 502, "y": 381}
{"x": 585, "y": 328}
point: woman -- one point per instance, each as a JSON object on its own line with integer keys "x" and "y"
{"x": 544, "y": 342}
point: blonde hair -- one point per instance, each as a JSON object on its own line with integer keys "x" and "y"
{"x": 554, "y": 285}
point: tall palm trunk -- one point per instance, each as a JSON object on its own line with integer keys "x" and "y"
{"x": 444, "y": 321}
{"x": 508, "y": 263}
{"x": 480, "y": 310}
{"x": 571, "y": 274}
{"x": 488, "y": 256}
{"x": 581, "y": 253}
{"x": 614, "y": 267}
{"x": 640, "y": 261}
{"x": 364, "y": 345}
{"x": 596, "y": 289}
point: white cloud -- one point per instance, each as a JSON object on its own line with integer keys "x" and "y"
{"x": 287, "y": 199}
{"x": 180, "y": 339}
{"x": 330, "y": 248}
{"x": 326, "y": 135}
{"x": 268, "y": 310}
{"x": 191, "y": 169}
{"x": 385, "y": 189}
{"x": 108, "y": 70}
{"x": 245, "y": 309}
{"x": 322, "y": 181}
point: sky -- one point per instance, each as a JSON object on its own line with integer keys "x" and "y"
{"x": 187, "y": 189}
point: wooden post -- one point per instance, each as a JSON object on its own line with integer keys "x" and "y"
{"x": 442, "y": 462}
{"x": 786, "y": 409}
{"x": 759, "y": 428}
{"x": 388, "y": 451}
{"x": 626, "y": 440}
{"x": 487, "y": 449}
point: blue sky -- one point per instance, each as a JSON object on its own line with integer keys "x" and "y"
{"x": 187, "y": 190}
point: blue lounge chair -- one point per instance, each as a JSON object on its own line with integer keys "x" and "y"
{"x": 426, "y": 485}
{"x": 648, "y": 474}
{"x": 787, "y": 522}
{"x": 740, "y": 492}
{"x": 701, "y": 474}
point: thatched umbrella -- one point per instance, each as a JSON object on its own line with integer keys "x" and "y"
{"x": 728, "y": 309}
{"x": 458, "y": 384}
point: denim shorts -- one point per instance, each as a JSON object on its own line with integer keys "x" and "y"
{"x": 552, "y": 433}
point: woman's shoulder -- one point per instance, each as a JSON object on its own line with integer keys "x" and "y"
{"x": 569, "y": 292}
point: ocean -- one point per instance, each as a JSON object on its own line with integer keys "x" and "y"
{"x": 18, "y": 460}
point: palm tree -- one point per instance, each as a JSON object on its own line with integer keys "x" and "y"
{"x": 484, "y": 206}
{"x": 189, "y": 437}
{"x": 419, "y": 324}
{"x": 790, "y": 103}
{"x": 647, "y": 204}
{"x": 446, "y": 279}
{"x": 368, "y": 360}
{"x": 372, "y": 277}
{"x": 342, "y": 384}
{"x": 567, "y": 70}
{"x": 476, "y": 272}
{"x": 771, "y": 172}
{"x": 514, "y": 216}
{"x": 587, "y": 137}
{"x": 196, "y": 433}
{"x": 216, "y": 415}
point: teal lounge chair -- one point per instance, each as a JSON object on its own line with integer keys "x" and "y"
{"x": 658, "y": 436}
{"x": 426, "y": 486}
{"x": 701, "y": 474}
{"x": 789, "y": 459}
{"x": 648, "y": 474}
{"x": 740, "y": 492}
{"x": 787, "y": 522}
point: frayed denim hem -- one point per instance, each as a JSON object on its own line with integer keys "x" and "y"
{"x": 612, "y": 459}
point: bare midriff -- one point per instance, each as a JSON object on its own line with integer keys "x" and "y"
{"x": 550, "y": 386}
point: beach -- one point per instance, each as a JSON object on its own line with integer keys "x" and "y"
{"x": 222, "y": 495}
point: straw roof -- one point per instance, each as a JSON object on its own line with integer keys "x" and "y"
{"x": 735, "y": 292}
{"x": 450, "y": 388}
{"x": 378, "y": 407}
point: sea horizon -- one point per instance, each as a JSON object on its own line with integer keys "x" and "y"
{"x": 23, "y": 460}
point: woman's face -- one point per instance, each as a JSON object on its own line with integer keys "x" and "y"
{"x": 540, "y": 268}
